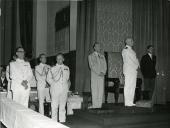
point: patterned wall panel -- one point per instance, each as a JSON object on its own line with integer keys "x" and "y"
{"x": 114, "y": 24}
{"x": 52, "y": 8}
{"x": 114, "y": 64}
{"x": 62, "y": 40}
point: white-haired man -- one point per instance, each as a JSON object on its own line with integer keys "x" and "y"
{"x": 130, "y": 66}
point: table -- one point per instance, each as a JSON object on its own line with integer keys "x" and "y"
{"x": 14, "y": 115}
{"x": 73, "y": 102}
{"x": 3, "y": 94}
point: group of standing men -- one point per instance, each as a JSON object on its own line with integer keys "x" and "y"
{"x": 97, "y": 64}
{"x": 52, "y": 82}
{"x": 56, "y": 79}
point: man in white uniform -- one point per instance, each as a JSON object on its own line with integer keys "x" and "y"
{"x": 41, "y": 71}
{"x": 9, "y": 92}
{"x": 130, "y": 66}
{"x": 58, "y": 78}
{"x": 20, "y": 74}
{"x": 98, "y": 69}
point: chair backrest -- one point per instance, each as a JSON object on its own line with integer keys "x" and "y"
{"x": 114, "y": 64}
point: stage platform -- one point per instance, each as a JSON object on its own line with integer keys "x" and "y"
{"x": 119, "y": 116}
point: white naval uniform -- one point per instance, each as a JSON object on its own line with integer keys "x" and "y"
{"x": 19, "y": 71}
{"x": 130, "y": 66}
{"x": 97, "y": 65}
{"x": 9, "y": 93}
{"x": 58, "y": 78}
{"x": 43, "y": 92}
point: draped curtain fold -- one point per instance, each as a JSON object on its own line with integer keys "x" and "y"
{"x": 16, "y": 22}
{"x": 26, "y": 25}
{"x": 86, "y": 36}
{"x": 8, "y": 30}
{"x": 150, "y": 26}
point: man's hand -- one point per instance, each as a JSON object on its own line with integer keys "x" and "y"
{"x": 46, "y": 69}
{"x": 69, "y": 83}
{"x": 25, "y": 84}
{"x": 47, "y": 85}
{"x": 101, "y": 74}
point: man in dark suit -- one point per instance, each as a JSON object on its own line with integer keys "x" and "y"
{"x": 3, "y": 80}
{"x": 147, "y": 64}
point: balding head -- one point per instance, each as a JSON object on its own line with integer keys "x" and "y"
{"x": 129, "y": 41}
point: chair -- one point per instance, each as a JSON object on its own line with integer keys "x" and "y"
{"x": 112, "y": 89}
{"x": 113, "y": 75}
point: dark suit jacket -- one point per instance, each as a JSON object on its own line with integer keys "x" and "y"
{"x": 148, "y": 66}
{"x": 4, "y": 82}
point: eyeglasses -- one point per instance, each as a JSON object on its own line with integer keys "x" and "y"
{"x": 21, "y": 51}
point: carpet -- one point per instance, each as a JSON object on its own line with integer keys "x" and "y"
{"x": 118, "y": 115}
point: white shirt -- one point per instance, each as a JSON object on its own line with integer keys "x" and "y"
{"x": 150, "y": 55}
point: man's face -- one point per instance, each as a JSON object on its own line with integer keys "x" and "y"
{"x": 151, "y": 50}
{"x": 130, "y": 42}
{"x": 97, "y": 47}
{"x": 43, "y": 59}
{"x": 3, "y": 74}
{"x": 60, "y": 59}
{"x": 20, "y": 53}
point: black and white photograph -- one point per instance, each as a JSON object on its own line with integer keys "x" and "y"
{"x": 84, "y": 63}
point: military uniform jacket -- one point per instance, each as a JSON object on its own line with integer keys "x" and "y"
{"x": 58, "y": 77}
{"x": 41, "y": 71}
{"x": 130, "y": 61}
{"x": 19, "y": 71}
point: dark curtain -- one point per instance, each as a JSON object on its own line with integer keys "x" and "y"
{"x": 150, "y": 26}
{"x": 8, "y": 29}
{"x": 86, "y": 35}
{"x": 26, "y": 25}
{"x": 16, "y": 23}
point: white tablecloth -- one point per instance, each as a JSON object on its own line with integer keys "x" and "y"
{"x": 3, "y": 94}
{"x": 14, "y": 115}
{"x": 73, "y": 102}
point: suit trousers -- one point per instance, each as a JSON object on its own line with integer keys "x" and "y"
{"x": 149, "y": 86}
{"x": 97, "y": 90}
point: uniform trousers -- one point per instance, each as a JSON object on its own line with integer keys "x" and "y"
{"x": 58, "y": 100}
{"x": 43, "y": 93}
{"x": 21, "y": 95}
{"x": 129, "y": 88}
